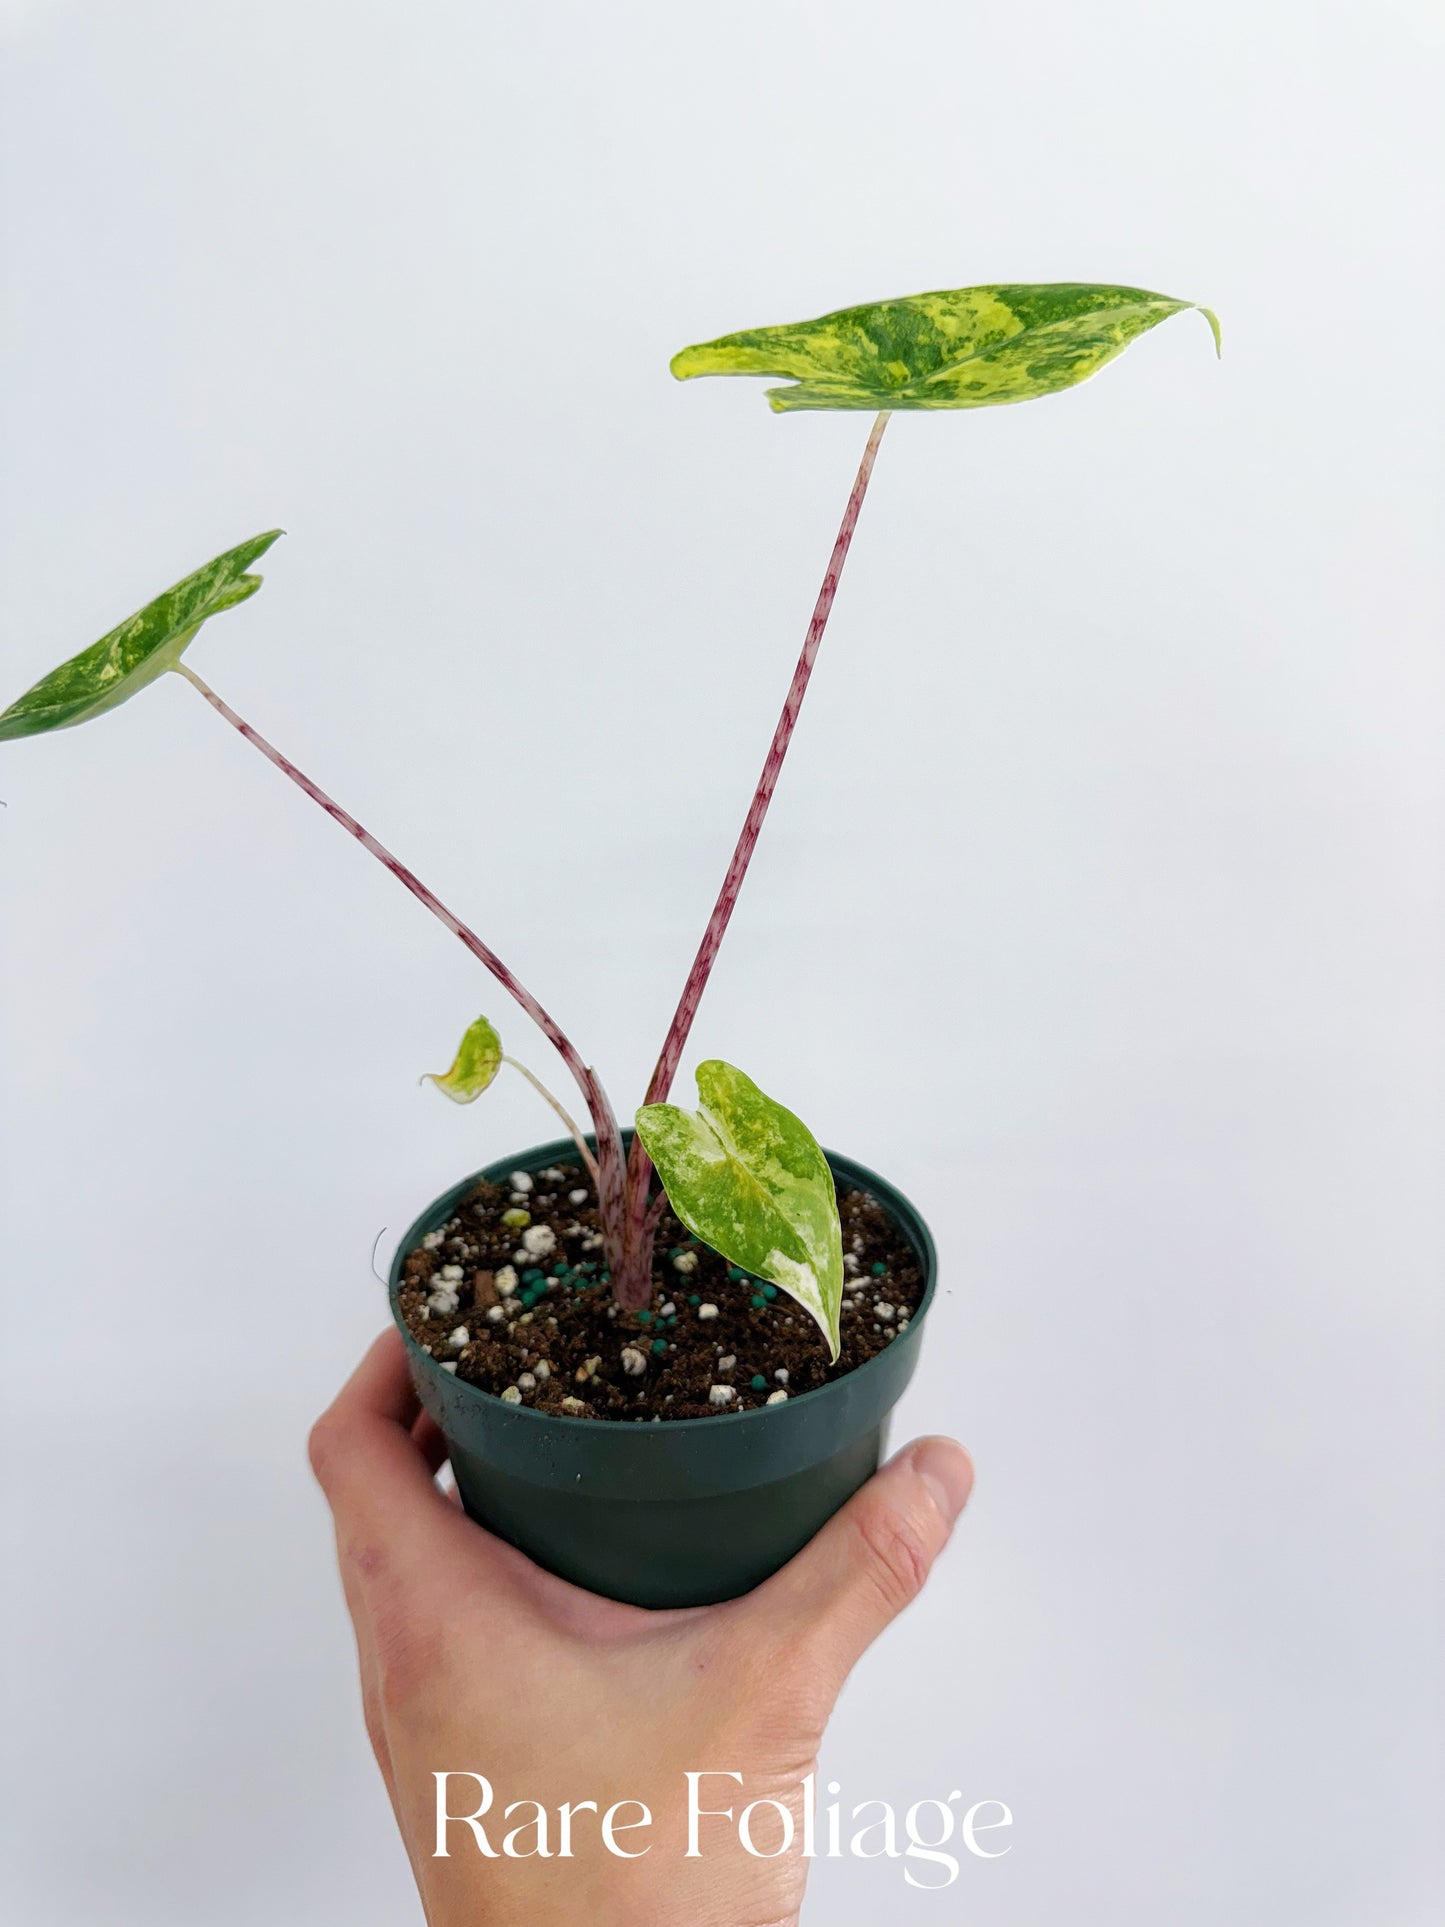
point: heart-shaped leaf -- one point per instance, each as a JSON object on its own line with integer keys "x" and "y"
{"x": 142, "y": 648}
{"x": 750, "y": 1179}
{"x": 478, "y": 1059}
{"x": 962, "y": 348}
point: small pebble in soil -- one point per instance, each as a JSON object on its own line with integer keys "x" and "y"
{"x": 506, "y": 1281}
{"x": 450, "y": 1365}
{"x": 576, "y": 1197}
{"x": 781, "y": 1374}
{"x": 451, "y": 1274}
{"x": 542, "y": 1369}
{"x": 633, "y": 1361}
{"x": 669, "y": 1310}
{"x": 573, "y": 1405}
{"x": 540, "y": 1240}
{"x": 721, "y": 1395}
{"x": 726, "y": 1364}
{"x": 552, "y": 1175}
{"x": 432, "y": 1240}
{"x": 495, "y": 1315}
{"x": 776, "y": 1398}
{"x": 511, "y": 1396}
{"x": 521, "y": 1180}
{"x": 707, "y": 1311}
{"x": 685, "y": 1261}
{"x": 526, "y": 1382}
{"x": 461, "y": 1336}
{"x": 516, "y": 1217}
{"x": 884, "y": 1310}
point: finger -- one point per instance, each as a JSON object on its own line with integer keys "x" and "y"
{"x": 375, "y": 1473}
{"x": 872, "y": 1559}
{"x": 429, "y": 1439}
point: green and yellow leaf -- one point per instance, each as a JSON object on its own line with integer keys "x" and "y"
{"x": 478, "y": 1059}
{"x": 750, "y": 1179}
{"x": 961, "y": 348}
{"x": 143, "y": 647}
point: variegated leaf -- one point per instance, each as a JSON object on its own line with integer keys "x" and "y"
{"x": 962, "y": 348}
{"x": 478, "y": 1059}
{"x": 749, "y": 1179}
{"x": 142, "y": 648}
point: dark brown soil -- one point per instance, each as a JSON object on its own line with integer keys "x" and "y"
{"x": 543, "y": 1324}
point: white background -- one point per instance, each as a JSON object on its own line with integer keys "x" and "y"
{"x": 1100, "y": 906}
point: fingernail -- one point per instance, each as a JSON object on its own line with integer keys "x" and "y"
{"x": 946, "y": 1470}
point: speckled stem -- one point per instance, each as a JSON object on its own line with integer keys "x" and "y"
{"x": 609, "y": 1142}
{"x": 640, "y": 1166}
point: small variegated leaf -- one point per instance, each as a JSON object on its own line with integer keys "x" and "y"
{"x": 143, "y": 647}
{"x": 478, "y": 1059}
{"x": 750, "y": 1179}
{"x": 960, "y": 348}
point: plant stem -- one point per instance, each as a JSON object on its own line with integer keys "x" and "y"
{"x": 609, "y": 1142}
{"x": 568, "y": 1123}
{"x": 640, "y": 1165}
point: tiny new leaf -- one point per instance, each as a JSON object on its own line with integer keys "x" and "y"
{"x": 478, "y": 1059}
{"x": 142, "y": 648}
{"x": 961, "y": 348}
{"x": 749, "y": 1179}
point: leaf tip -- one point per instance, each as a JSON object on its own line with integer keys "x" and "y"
{"x": 1213, "y": 319}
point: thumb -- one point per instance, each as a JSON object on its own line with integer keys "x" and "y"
{"x": 871, "y": 1560}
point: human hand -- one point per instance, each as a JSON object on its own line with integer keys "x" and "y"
{"x": 476, "y": 1662}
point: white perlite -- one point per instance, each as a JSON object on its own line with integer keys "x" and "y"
{"x": 450, "y": 1366}
{"x": 511, "y": 1396}
{"x": 539, "y": 1240}
{"x": 573, "y": 1405}
{"x": 669, "y": 1309}
{"x": 461, "y": 1336}
{"x": 776, "y": 1398}
{"x": 521, "y": 1180}
{"x": 542, "y": 1368}
{"x": 526, "y": 1382}
{"x": 634, "y": 1362}
{"x": 576, "y": 1197}
{"x": 781, "y": 1374}
{"x": 882, "y": 1309}
{"x": 433, "y": 1240}
{"x": 451, "y": 1274}
{"x": 506, "y": 1281}
{"x": 552, "y": 1175}
{"x": 726, "y": 1364}
{"x": 721, "y": 1395}
{"x": 495, "y": 1315}
{"x": 705, "y": 1312}
{"x": 685, "y": 1261}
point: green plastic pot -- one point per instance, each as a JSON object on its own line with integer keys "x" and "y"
{"x": 683, "y": 1513}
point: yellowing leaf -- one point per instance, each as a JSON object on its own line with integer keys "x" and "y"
{"x": 478, "y": 1059}
{"x": 961, "y": 348}
{"x": 142, "y": 648}
{"x": 750, "y": 1179}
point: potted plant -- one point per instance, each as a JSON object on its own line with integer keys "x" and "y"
{"x": 662, "y": 1357}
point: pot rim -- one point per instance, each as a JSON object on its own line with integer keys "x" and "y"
{"x": 909, "y": 1220}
